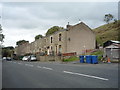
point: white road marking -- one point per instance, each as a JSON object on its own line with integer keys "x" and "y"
{"x": 39, "y": 66}
{"x": 29, "y": 65}
{"x": 47, "y": 68}
{"x": 85, "y": 75}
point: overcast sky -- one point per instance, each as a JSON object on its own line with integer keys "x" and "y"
{"x": 25, "y": 20}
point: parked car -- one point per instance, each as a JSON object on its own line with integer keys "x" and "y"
{"x": 33, "y": 58}
{"x": 25, "y": 58}
{"x": 8, "y": 59}
{"x": 4, "y": 58}
{"x": 29, "y": 58}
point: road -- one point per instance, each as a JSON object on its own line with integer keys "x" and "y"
{"x": 22, "y": 74}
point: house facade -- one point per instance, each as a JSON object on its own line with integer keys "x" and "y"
{"x": 74, "y": 39}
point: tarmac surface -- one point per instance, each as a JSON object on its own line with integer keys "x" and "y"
{"x": 22, "y": 74}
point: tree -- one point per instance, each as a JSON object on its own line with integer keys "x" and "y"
{"x": 38, "y": 36}
{"x": 20, "y": 42}
{"x": 53, "y": 30}
{"x": 7, "y": 51}
{"x": 9, "y": 48}
{"x": 108, "y": 18}
{"x": 1, "y": 35}
{"x": 115, "y": 21}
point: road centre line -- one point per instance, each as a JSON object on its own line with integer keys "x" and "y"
{"x": 68, "y": 72}
{"x": 47, "y": 68}
{"x": 29, "y": 65}
{"x": 85, "y": 75}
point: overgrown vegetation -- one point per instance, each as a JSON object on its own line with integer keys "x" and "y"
{"x": 107, "y": 32}
{"x": 38, "y": 36}
{"x": 72, "y": 58}
{"x": 21, "y": 42}
{"x": 1, "y": 35}
{"x": 7, "y": 51}
{"x": 53, "y": 30}
{"x": 108, "y": 18}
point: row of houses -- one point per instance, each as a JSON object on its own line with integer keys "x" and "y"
{"x": 74, "y": 39}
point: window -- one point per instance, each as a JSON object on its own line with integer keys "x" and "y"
{"x": 45, "y": 40}
{"x": 60, "y": 48}
{"x": 48, "y": 47}
{"x": 51, "y": 39}
{"x": 60, "y": 37}
{"x": 68, "y": 39}
{"x": 40, "y": 49}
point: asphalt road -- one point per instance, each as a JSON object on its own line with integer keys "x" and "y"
{"x": 21, "y": 74}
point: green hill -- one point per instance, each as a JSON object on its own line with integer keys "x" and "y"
{"x": 107, "y": 32}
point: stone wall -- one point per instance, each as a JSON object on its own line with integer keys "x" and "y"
{"x": 49, "y": 58}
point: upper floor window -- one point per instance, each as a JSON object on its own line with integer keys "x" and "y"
{"x": 45, "y": 40}
{"x": 60, "y": 37}
{"x": 51, "y": 39}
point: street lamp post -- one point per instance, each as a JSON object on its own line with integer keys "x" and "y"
{"x": 84, "y": 49}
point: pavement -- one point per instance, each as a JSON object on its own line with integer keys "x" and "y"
{"x": 0, "y": 74}
{"x": 23, "y": 74}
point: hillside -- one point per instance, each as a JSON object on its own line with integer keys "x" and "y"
{"x": 106, "y": 32}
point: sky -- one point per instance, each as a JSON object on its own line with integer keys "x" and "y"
{"x": 25, "y": 20}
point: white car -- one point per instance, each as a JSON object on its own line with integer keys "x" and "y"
{"x": 33, "y": 58}
{"x": 4, "y": 58}
{"x": 25, "y": 58}
{"x": 9, "y": 59}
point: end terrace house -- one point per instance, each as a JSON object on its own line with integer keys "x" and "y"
{"x": 74, "y": 39}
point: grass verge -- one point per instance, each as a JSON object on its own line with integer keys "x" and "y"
{"x": 72, "y": 58}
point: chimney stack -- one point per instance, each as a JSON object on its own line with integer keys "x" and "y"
{"x": 67, "y": 26}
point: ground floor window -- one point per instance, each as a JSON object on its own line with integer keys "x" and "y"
{"x": 60, "y": 49}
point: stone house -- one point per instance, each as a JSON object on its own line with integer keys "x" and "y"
{"x": 79, "y": 38}
{"x": 75, "y": 38}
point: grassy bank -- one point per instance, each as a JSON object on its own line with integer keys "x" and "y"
{"x": 107, "y": 32}
{"x": 72, "y": 58}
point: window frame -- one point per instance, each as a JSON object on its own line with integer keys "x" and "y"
{"x": 60, "y": 37}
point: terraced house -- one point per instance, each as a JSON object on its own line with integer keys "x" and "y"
{"x": 74, "y": 39}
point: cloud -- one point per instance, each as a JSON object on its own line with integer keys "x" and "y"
{"x": 15, "y": 35}
{"x": 60, "y": 0}
{"x": 119, "y": 10}
{"x": 24, "y": 20}
{"x": 36, "y": 14}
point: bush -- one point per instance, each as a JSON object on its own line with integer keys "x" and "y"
{"x": 20, "y": 57}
